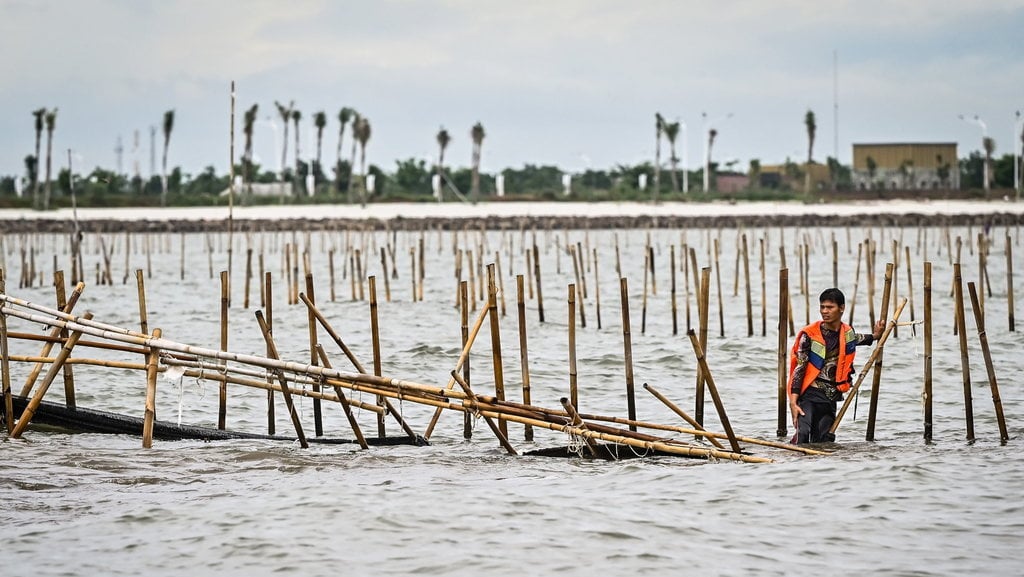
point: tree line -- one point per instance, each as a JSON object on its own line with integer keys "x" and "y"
{"x": 411, "y": 179}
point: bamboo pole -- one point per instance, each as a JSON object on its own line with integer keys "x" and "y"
{"x": 378, "y": 368}
{"x": 627, "y": 345}
{"x": 597, "y": 291}
{"x": 536, "y": 277}
{"x": 384, "y": 274}
{"x": 68, "y": 307}
{"x": 497, "y": 429}
{"x": 492, "y": 307}
{"x": 702, "y": 322}
{"x": 318, "y": 422}
{"x": 5, "y": 361}
{"x": 764, "y": 291}
{"x": 746, "y": 278}
{"x": 710, "y": 381}
{"x": 852, "y": 394}
{"x": 576, "y": 421}
{"x": 965, "y": 365}
{"x": 222, "y": 407}
{"x": 51, "y": 373}
{"x": 152, "y": 363}
{"x": 782, "y": 367}
{"x": 69, "y": 375}
{"x": 700, "y": 430}
{"x": 390, "y": 409}
{"x": 573, "y": 391}
{"x": 581, "y": 295}
{"x": 143, "y": 316}
{"x": 344, "y": 401}
{"x": 876, "y": 380}
{"x": 269, "y": 304}
{"x": 927, "y": 352}
{"x": 672, "y": 288}
{"x": 467, "y": 421}
{"x": 1009, "y": 283}
{"x": 910, "y": 291}
{"x": 718, "y": 284}
{"x": 979, "y": 320}
{"x": 524, "y": 356}
{"x": 282, "y": 381}
{"x": 248, "y": 278}
{"x": 856, "y": 285}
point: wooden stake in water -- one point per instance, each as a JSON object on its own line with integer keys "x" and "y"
{"x": 672, "y": 288}
{"x": 269, "y": 304}
{"x": 524, "y": 357}
{"x": 927, "y": 351}
{"x": 152, "y": 364}
{"x": 877, "y": 376}
{"x": 318, "y": 424}
{"x": 746, "y": 279}
{"x": 467, "y": 418}
{"x": 979, "y": 320}
{"x": 248, "y": 278}
{"x": 573, "y": 392}
{"x": 492, "y": 307}
{"x": 597, "y": 291}
{"x": 718, "y": 284}
{"x": 5, "y": 358}
{"x": 764, "y": 292}
{"x": 1009, "y": 283}
{"x": 627, "y": 345}
{"x": 965, "y": 365}
{"x": 47, "y": 346}
{"x": 223, "y": 404}
{"x": 378, "y": 368}
{"x": 69, "y": 375}
{"x": 782, "y": 366}
{"x": 536, "y": 276}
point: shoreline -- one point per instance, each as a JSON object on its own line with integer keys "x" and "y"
{"x": 515, "y": 215}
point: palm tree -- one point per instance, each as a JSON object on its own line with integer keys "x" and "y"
{"x": 990, "y": 146}
{"x": 50, "y": 120}
{"x": 477, "y": 134}
{"x": 320, "y": 121}
{"x": 362, "y": 134}
{"x": 812, "y": 127}
{"x": 168, "y": 127}
{"x": 352, "y": 161}
{"x": 35, "y": 173}
{"x": 296, "y": 118}
{"x": 344, "y": 115}
{"x": 659, "y": 127}
{"x": 671, "y": 133}
{"x": 443, "y": 139}
{"x": 248, "y": 123}
{"x": 286, "y": 115}
{"x": 711, "y": 143}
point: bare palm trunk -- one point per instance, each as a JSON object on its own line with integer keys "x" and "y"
{"x": 675, "y": 169}
{"x": 49, "y": 154}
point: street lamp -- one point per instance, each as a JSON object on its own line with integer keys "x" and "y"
{"x": 984, "y": 135}
{"x": 1018, "y": 144}
{"x": 707, "y": 127}
{"x": 686, "y": 169}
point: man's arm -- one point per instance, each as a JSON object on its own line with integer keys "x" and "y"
{"x": 797, "y": 378}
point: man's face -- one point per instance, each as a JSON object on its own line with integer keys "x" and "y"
{"x": 831, "y": 312}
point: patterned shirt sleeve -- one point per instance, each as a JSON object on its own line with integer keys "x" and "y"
{"x": 802, "y": 351}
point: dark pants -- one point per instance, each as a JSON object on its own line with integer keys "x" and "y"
{"x": 819, "y": 414}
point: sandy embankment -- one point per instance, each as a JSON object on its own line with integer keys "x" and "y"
{"x": 518, "y": 214}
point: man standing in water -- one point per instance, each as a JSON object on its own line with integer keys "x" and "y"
{"x": 821, "y": 367}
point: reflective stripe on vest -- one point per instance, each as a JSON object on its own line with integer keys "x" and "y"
{"x": 816, "y": 355}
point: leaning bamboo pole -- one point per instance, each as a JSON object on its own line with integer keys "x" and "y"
{"x": 700, "y": 430}
{"x": 876, "y": 380}
{"x": 281, "y": 380}
{"x": 979, "y": 320}
{"x": 965, "y": 365}
{"x": 37, "y": 398}
{"x": 852, "y": 394}
{"x": 710, "y": 382}
{"x": 345, "y": 403}
{"x": 473, "y": 405}
{"x": 67, "y": 308}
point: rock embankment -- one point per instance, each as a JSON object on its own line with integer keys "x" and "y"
{"x": 512, "y": 222}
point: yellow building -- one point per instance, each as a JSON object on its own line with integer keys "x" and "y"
{"x": 793, "y": 176}
{"x": 905, "y": 165}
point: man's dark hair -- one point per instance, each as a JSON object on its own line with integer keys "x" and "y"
{"x": 833, "y": 294}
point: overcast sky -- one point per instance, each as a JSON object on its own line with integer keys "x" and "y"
{"x": 574, "y": 83}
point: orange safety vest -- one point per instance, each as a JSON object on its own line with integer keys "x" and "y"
{"x": 816, "y": 356}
